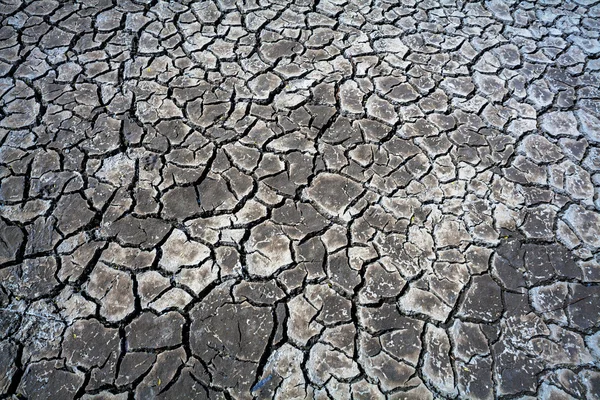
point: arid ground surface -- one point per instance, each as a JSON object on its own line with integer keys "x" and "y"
{"x": 299, "y": 199}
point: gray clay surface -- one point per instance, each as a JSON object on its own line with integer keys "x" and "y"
{"x": 276, "y": 199}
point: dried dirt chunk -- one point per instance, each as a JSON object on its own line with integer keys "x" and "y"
{"x": 114, "y": 290}
{"x": 333, "y": 193}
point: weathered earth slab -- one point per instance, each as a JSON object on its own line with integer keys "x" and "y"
{"x": 299, "y": 199}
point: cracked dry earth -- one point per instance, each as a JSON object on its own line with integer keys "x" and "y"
{"x": 299, "y": 199}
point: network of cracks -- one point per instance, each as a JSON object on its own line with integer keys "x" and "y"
{"x": 277, "y": 199}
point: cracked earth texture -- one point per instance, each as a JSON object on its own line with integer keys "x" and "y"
{"x": 299, "y": 199}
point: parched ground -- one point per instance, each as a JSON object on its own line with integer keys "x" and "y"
{"x": 336, "y": 199}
